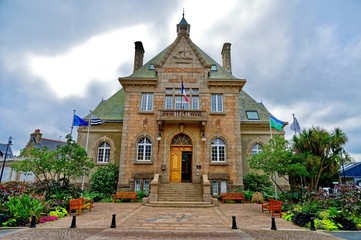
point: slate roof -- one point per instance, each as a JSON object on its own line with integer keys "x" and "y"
{"x": 145, "y": 73}
{"x": 111, "y": 109}
{"x": 249, "y": 104}
{"x": 3, "y": 151}
{"x": 49, "y": 143}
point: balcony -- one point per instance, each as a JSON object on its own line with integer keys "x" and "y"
{"x": 179, "y": 115}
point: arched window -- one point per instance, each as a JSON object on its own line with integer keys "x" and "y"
{"x": 103, "y": 152}
{"x": 256, "y": 148}
{"x": 144, "y": 149}
{"x": 181, "y": 139}
{"x": 218, "y": 150}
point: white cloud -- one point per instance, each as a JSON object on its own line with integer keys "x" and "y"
{"x": 97, "y": 59}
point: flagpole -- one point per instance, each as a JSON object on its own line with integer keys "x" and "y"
{"x": 86, "y": 147}
{"x": 72, "y": 125}
{"x": 270, "y": 127}
{"x": 87, "y": 135}
{"x": 275, "y": 174}
{"x": 182, "y": 95}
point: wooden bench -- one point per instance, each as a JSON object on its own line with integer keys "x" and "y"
{"x": 79, "y": 204}
{"x": 273, "y": 206}
{"x": 233, "y": 196}
{"x": 125, "y": 195}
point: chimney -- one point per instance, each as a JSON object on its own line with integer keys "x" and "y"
{"x": 36, "y": 136}
{"x": 226, "y": 57}
{"x": 138, "y": 56}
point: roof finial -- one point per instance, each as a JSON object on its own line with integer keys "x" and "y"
{"x": 183, "y": 12}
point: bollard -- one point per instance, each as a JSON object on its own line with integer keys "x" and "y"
{"x": 312, "y": 225}
{"x": 273, "y": 226}
{"x": 234, "y": 224}
{"x": 33, "y": 222}
{"x": 73, "y": 222}
{"x": 112, "y": 225}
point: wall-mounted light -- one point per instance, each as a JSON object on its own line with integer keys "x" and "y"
{"x": 163, "y": 167}
{"x": 159, "y": 137}
{"x": 203, "y": 136}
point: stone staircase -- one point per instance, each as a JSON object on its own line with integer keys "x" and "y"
{"x": 180, "y": 195}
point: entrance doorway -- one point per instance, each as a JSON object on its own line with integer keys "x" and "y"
{"x": 181, "y": 159}
{"x": 186, "y": 166}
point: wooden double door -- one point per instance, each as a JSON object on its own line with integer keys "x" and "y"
{"x": 180, "y": 164}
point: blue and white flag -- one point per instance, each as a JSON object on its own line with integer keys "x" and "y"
{"x": 96, "y": 121}
{"x": 78, "y": 121}
{"x": 295, "y": 126}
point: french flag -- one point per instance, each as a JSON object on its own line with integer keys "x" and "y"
{"x": 184, "y": 93}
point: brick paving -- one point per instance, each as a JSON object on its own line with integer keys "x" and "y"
{"x": 134, "y": 221}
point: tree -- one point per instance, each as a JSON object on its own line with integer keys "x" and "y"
{"x": 320, "y": 150}
{"x": 277, "y": 158}
{"x": 67, "y": 162}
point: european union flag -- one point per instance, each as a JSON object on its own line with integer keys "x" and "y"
{"x": 78, "y": 121}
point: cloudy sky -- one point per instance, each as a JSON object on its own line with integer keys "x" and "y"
{"x": 301, "y": 57}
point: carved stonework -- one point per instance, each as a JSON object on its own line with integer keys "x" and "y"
{"x": 145, "y": 122}
{"x": 183, "y": 56}
{"x": 218, "y": 123}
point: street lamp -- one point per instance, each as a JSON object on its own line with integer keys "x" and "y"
{"x": 6, "y": 153}
{"x": 343, "y": 168}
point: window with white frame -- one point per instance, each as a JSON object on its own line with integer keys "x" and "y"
{"x": 142, "y": 185}
{"x": 218, "y": 150}
{"x": 256, "y": 148}
{"x": 103, "y": 152}
{"x": 147, "y": 102}
{"x": 146, "y": 185}
{"x": 214, "y": 187}
{"x": 217, "y": 103}
{"x": 223, "y": 186}
{"x": 137, "y": 183}
{"x": 175, "y": 100}
{"x": 219, "y": 187}
{"x": 144, "y": 149}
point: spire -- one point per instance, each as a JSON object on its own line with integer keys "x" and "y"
{"x": 183, "y": 26}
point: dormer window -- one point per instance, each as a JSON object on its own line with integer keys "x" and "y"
{"x": 252, "y": 115}
{"x": 214, "y": 68}
{"x": 151, "y": 66}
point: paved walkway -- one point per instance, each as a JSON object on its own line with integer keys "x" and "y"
{"x": 134, "y": 221}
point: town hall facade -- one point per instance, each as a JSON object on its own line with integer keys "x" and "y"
{"x": 179, "y": 118}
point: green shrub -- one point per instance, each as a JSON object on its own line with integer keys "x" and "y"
{"x": 258, "y": 183}
{"x": 248, "y": 195}
{"x": 141, "y": 195}
{"x": 59, "y": 212}
{"x": 326, "y": 224}
{"x": 103, "y": 181}
{"x": 21, "y": 208}
{"x": 57, "y": 193}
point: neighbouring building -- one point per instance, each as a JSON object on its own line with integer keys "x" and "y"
{"x": 36, "y": 140}
{"x": 351, "y": 174}
{"x": 181, "y": 117}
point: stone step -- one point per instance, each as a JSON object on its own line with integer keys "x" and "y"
{"x": 180, "y": 192}
{"x": 180, "y": 204}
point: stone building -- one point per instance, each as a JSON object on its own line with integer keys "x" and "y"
{"x": 37, "y": 141}
{"x": 181, "y": 117}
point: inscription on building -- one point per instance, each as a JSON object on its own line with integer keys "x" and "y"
{"x": 184, "y": 80}
{"x": 183, "y": 70}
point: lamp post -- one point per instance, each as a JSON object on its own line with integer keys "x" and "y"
{"x": 343, "y": 168}
{"x": 6, "y": 153}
